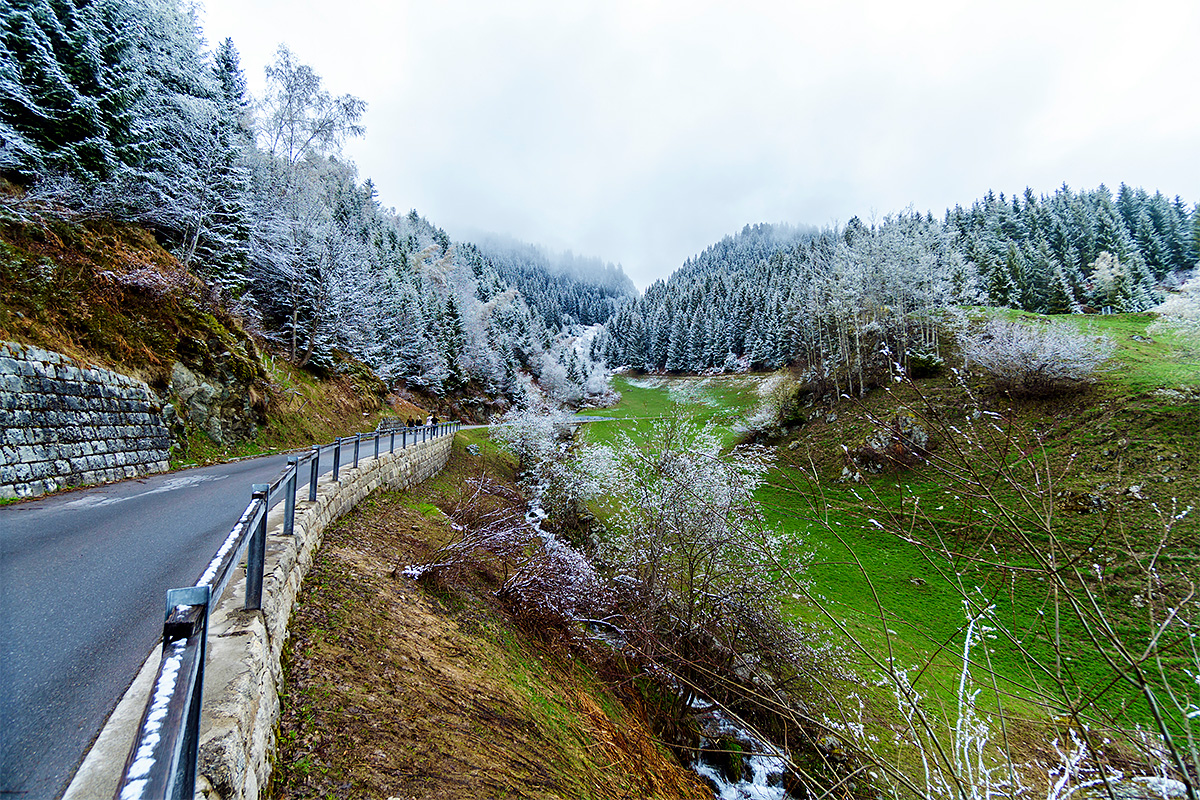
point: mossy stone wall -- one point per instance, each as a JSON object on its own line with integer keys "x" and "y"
{"x": 63, "y": 424}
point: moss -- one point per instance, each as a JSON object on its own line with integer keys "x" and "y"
{"x": 106, "y": 292}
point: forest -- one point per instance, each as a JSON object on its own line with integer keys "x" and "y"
{"x": 850, "y": 304}
{"x": 118, "y": 109}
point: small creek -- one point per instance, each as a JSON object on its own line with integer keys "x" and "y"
{"x": 754, "y": 773}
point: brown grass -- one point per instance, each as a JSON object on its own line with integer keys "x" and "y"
{"x": 394, "y": 691}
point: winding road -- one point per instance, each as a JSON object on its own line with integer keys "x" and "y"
{"x": 83, "y": 577}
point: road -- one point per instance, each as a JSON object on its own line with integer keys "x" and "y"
{"x": 83, "y": 578}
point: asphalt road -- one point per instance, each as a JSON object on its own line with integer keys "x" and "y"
{"x": 83, "y": 579}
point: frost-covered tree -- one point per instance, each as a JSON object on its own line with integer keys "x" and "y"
{"x": 63, "y": 99}
{"x": 298, "y": 118}
{"x": 687, "y": 533}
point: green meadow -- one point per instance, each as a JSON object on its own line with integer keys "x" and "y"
{"x": 1127, "y": 445}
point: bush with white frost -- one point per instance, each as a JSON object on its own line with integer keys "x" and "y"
{"x": 535, "y": 432}
{"x": 1035, "y": 361}
{"x": 687, "y": 536}
{"x": 1180, "y": 312}
{"x": 779, "y": 404}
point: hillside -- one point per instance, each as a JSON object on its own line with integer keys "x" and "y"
{"x": 564, "y": 288}
{"x": 832, "y": 300}
{"x": 226, "y": 368}
{"x": 893, "y": 552}
{"x": 107, "y": 294}
{"x": 126, "y": 114}
{"x": 399, "y": 688}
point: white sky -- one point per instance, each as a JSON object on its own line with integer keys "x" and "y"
{"x": 642, "y": 132}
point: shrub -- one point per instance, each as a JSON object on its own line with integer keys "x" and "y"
{"x": 1037, "y": 361}
{"x": 780, "y": 405}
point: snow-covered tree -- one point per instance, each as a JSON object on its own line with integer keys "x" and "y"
{"x": 687, "y": 533}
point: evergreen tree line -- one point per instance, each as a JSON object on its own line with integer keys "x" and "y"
{"x": 843, "y": 305}
{"x": 1077, "y": 250}
{"x": 851, "y": 305}
{"x": 565, "y": 289}
{"x": 116, "y": 107}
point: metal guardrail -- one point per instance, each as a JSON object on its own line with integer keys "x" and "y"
{"x": 162, "y": 761}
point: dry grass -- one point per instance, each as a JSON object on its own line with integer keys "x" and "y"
{"x": 396, "y": 691}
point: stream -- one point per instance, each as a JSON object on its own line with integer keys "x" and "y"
{"x": 758, "y": 776}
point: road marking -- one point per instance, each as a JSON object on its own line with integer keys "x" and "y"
{"x": 169, "y": 485}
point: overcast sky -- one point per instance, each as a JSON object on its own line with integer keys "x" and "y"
{"x": 642, "y": 132}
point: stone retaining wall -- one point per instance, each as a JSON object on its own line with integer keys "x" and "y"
{"x": 242, "y": 670}
{"x": 66, "y": 425}
{"x": 241, "y": 703}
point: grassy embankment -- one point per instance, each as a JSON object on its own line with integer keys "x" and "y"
{"x": 895, "y": 597}
{"x": 303, "y": 410}
{"x": 107, "y": 294}
{"x": 395, "y": 690}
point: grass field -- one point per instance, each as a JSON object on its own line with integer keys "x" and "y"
{"x": 1128, "y": 445}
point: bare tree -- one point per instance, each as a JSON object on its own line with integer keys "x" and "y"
{"x": 297, "y": 118}
{"x": 1036, "y": 360}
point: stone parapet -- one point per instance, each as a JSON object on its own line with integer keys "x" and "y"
{"x": 62, "y": 424}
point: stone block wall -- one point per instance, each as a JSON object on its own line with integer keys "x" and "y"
{"x": 62, "y": 424}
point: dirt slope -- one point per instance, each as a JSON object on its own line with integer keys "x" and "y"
{"x": 393, "y": 691}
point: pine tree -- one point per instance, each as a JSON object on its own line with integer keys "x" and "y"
{"x": 1111, "y": 234}
{"x": 1193, "y": 252}
{"x": 1062, "y": 297}
{"x": 1000, "y": 288}
{"x": 1178, "y": 236}
{"x": 54, "y": 90}
{"x": 677, "y": 346}
{"x": 456, "y": 343}
{"x": 217, "y": 231}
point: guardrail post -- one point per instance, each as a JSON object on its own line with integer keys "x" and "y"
{"x": 289, "y": 502}
{"x": 376, "y": 444}
{"x": 315, "y": 473}
{"x": 337, "y": 456}
{"x": 257, "y": 552}
{"x": 392, "y": 446}
{"x": 357, "y": 440}
{"x": 189, "y": 751}
{"x": 404, "y": 438}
